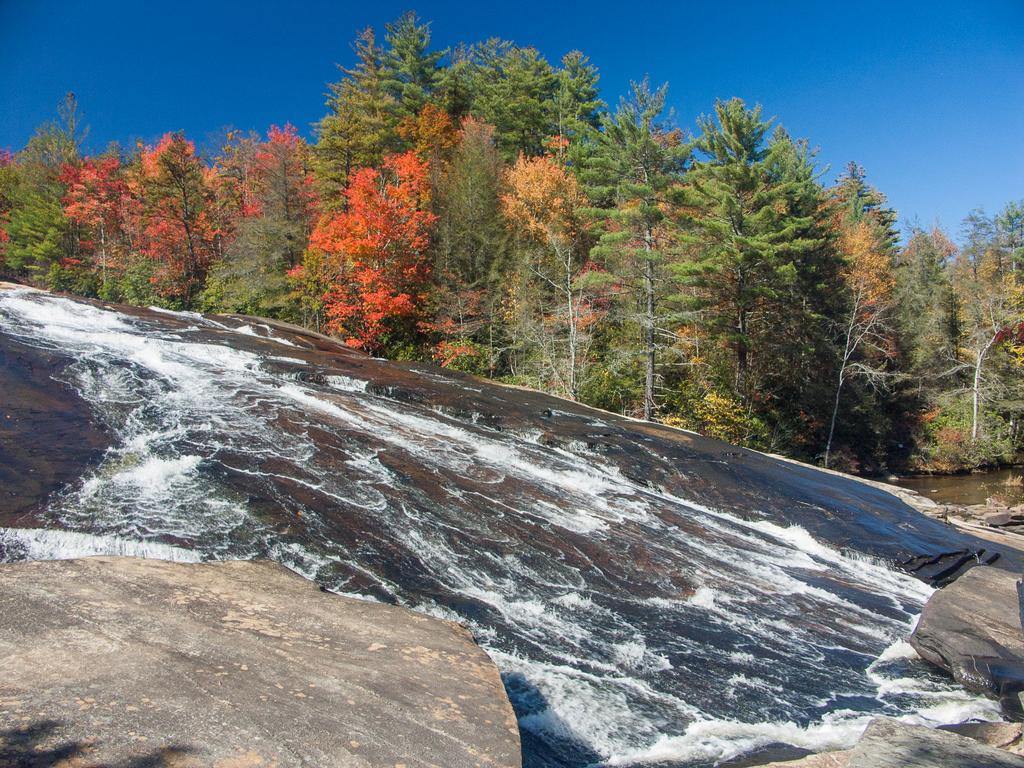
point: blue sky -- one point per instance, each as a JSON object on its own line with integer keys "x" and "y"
{"x": 928, "y": 96}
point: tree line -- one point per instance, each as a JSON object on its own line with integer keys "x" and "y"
{"x": 484, "y": 209}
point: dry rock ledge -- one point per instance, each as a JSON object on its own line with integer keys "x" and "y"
{"x": 892, "y": 744}
{"x": 119, "y": 662}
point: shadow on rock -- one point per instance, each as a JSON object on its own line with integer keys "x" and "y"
{"x": 40, "y": 745}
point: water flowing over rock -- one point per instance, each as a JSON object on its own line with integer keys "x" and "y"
{"x": 648, "y": 594}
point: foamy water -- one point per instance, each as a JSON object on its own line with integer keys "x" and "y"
{"x": 632, "y": 625}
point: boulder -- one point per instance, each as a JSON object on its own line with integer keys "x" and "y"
{"x": 914, "y": 746}
{"x": 997, "y": 518}
{"x": 122, "y": 662}
{"x": 1000, "y": 735}
{"x": 972, "y": 629}
{"x": 889, "y": 743}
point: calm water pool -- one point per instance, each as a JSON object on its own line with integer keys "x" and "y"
{"x": 1006, "y": 484}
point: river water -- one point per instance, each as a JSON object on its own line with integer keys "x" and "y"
{"x": 1004, "y": 485}
{"x": 648, "y": 595}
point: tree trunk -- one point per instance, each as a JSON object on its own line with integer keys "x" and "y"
{"x": 649, "y": 333}
{"x": 835, "y": 412}
{"x": 572, "y": 332}
{"x": 848, "y": 351}
{"x": 742, "y": 362}
{"x": 103, "y": 256}
{"x": 976, "y": 390}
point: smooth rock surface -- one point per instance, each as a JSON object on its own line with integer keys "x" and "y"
{"x": 889, "y": 743}
{"x": 972, "y": 629}
{"x": 122, "y": 662}
{"x": 1000, "y": 735}
{"x": 46, "y": 431}
{"x": 838, "y": 759}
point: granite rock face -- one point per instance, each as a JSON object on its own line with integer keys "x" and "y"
{"x": 1006, "y": 736}
{"x": 890, "y": 743}
{"x": 122, "y": 662}
{"x": 972, "y": 629}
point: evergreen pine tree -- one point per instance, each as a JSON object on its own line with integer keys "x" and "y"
{"x": 513, "y": 90}
{"x": 361, "y": 125}
{"x": 757, "y": 261}
{"x": 635, "y": 169}
{"x": 411, "y": 70}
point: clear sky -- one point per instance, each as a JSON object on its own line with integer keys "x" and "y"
{"x": 927, "y": 95}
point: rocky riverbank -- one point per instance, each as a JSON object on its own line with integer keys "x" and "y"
{"x": 994, "y": 521}
{"x": 972, "y": 629}
{"x": 126, "y": 663}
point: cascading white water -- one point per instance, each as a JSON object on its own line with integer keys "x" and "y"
{"x": 631, "y": 624}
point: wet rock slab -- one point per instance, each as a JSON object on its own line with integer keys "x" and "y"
{"x": 972, "y": 629}
{"x": 46, "y": 432}
{"x": 122, "y": 662}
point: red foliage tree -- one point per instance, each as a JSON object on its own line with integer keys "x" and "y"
{"x": 282, "y": 178}
{"x": 372, "y": 256}
{"x": 6, "y": 160}
{"x": 97, "y": 199}
{"x": 180, "y": 233}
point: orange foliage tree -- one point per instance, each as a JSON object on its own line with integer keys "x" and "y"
{"x": 545, "y": 204}
{"x": 179, "y": 231}
{"x": 867, "y": 272}
{"x": 371, "y": 257}
{"x": 98, "y": 200}
{"x": 431, "y": 133}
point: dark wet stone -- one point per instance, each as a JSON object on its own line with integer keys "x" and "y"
{"x": 768, "y": 754}
{"x": 47, "y": 434}
{"x": 124, "y": 662}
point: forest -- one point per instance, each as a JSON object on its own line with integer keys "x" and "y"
{"x": 483, "y": 209}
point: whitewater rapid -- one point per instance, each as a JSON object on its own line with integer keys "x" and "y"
{"x": 632, "y": 624}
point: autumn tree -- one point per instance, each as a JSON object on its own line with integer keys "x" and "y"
{"x": 97, "y": 200}
{"x": 545, "y": 204}
{"x": 180, "y": 233}
{"x": 866, "y": 240}
{"x": 373, "y": 256}
{"x": 271, "y": 188}
{"x": 8, "y": 182}
{"x": 984, "y": 281}
{"x": 431, "y": 134}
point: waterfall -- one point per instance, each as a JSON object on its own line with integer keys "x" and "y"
{"x": 647, "y": 594}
